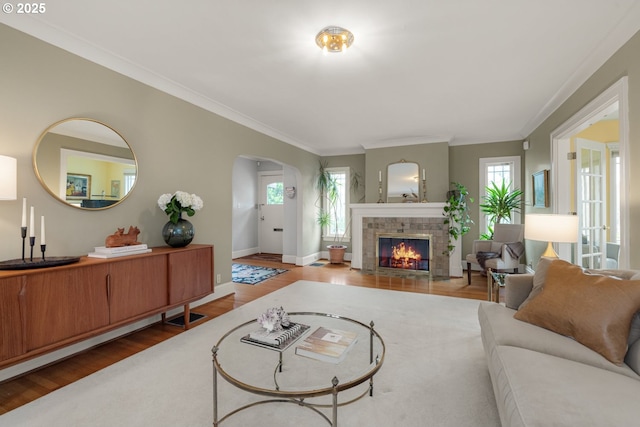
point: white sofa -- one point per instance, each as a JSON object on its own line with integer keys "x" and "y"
{"x": 541, "y": 378}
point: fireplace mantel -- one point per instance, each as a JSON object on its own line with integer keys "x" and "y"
{"x": 397, "y": 210}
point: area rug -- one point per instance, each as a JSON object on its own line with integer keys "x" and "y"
{"x": 434, "y": 372}
{"x": 252, "y": 274}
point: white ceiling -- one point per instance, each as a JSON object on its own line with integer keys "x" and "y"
{"x": 463, "y": 71}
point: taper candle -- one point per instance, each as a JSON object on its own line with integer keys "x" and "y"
{"x": 424, "y": 175}
{"x": 42, "y": 241}
{"x": 379, "y": 176}
{"x": 32, "y": 228}
{"x": 24, "y": 212}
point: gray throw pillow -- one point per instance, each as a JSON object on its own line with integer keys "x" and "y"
{"x": 538, "y": 279}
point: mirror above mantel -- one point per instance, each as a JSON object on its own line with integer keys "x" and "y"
{"x": 85, "y": 164}
{"x": 403, "y": 182}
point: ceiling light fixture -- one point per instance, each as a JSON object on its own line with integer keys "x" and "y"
{"x": 334, "y": 39}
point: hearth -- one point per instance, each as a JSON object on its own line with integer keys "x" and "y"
{"x": 404, "y": 252}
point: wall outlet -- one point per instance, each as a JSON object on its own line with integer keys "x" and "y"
{"x": 218, "y": 278}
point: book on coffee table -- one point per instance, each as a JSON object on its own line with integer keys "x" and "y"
{"x": 276, "y": 340}
{"x": 327, "y": 345}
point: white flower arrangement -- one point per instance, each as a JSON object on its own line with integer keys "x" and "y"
{"x": 178, "y": 202}
{"x": 274, "y": 319}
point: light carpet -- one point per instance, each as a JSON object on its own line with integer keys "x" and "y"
{"x": 434, "y": 371}
{"x": 253, "y": 274}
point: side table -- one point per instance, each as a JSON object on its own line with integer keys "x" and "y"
{"x": 495, "y": 280}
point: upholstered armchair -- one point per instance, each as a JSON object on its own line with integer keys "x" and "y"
{"x": 613, "y": 253}
{"x": 501, "y": 253}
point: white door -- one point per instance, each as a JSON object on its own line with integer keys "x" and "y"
{"x": 591, "y": 202}
{"x": 271, "y": 205}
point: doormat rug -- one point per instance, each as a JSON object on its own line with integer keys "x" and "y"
{"x": 252, "y": 274}
{"x": 179, "y": 321}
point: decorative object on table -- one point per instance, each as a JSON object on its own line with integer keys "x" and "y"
{"x": 540, "y": 185}
{"x": 24, "y": 263}
{"x": 119, "y": 251}
{"x": 179, "y": 232}
{"x": 276, "y": 330}
{"x": 551, "y": 228}
{"x": 327, "y": 345}
{"x": 252, "y": 274}
{"x": 276, "y": 340}
{"x": 274, "y": 319}
{"x": 120, "y": 238}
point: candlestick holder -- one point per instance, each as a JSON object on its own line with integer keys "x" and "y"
{"x": 380, "y": 192}
{"x": 23, "y": 232}
{"x": 424, "y": 191}
{"x": 32, "y": 242}
{"x": 26, "y": 264}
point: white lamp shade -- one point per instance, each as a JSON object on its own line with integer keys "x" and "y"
{"x": 551, "y": 228}
{"x": 8, "y": 178}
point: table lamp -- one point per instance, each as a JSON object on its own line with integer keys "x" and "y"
{"x": 8, "y": 178}
{"x": 551, "y": 228}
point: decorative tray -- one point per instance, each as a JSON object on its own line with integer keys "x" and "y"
{"x": 18, "y": 264}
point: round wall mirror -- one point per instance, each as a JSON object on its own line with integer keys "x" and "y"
{"x": 85, "y": 164}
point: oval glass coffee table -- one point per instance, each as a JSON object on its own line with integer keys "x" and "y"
{"x": 280, "y": 375}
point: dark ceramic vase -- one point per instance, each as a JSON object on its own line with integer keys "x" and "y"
{"x": 178, "y": 235}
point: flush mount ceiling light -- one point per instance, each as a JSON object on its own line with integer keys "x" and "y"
{"x": 334, "y": 39}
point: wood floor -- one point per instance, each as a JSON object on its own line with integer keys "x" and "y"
{"x": 24, "y": 389}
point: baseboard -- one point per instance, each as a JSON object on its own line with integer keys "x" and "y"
{"x": 309, "y": 259}
{"x": 289, "y": 259}
{"x": 244, "y": 252}
{"x": 57, "y": 355}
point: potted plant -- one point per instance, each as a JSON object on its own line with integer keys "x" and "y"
{"x": 327, "y": 185}
{"x": 499, "y": 203}
{"x": 456, "y": 212}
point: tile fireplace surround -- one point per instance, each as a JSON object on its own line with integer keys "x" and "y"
{"x": 410, "y": 218}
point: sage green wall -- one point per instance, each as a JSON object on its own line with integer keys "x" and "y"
{"x": 434, "y": 158}
{"x": 625, "y": 62}
{"x": 178, "y": 145}
{"x": 464, "y": 167}
{"x": 356, "y": 164}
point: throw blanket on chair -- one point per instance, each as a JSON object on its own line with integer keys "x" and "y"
{"x": 482, "y": 257}
{"x": 515, "y": 249}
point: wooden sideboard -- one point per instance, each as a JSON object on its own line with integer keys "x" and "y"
{"x": 42, "y": 310}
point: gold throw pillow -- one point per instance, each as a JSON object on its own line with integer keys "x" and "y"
{"x": 593, "y": 309}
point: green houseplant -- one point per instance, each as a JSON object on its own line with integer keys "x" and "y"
{"x": 456, "y": 213}
{"x": 499, "y": 203}
{"x": 327, "y": 187}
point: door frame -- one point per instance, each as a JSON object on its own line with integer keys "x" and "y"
{"x": 261, "y": 175}
{"x": 560, "y": 170}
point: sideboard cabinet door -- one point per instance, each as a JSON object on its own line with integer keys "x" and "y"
{"x": 190, "y": 274}
{"x": 11, "y": 290}
{"x": 65, "y": 303}
{"x": 137, "y": 287}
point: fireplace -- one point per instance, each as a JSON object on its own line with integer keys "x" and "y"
{"x": 404, "y": 252}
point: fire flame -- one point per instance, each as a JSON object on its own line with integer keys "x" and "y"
{"x": 403, "y": 252}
